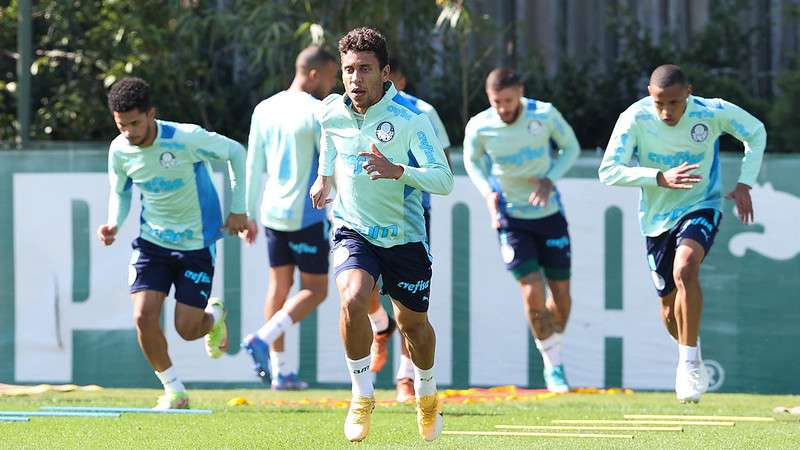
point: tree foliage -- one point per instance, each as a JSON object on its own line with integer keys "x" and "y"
{"x": 211, "y": 61}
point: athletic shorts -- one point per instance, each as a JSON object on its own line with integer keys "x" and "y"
{"x": 700, "y": 226}
{"x": 426, "y": 213}
{"x": 306, "y": 248}
{"x": 527, "y": 245}
{"x": 155, "y": 268}
{"x": 405, "y": 269}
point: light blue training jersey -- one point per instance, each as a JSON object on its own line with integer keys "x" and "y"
{"x": 438, "y": 128}
{"x": 642, "y": 145}
{"x": 284, "y": 137}
{"x": 180, "y": 206}
{"x": 385, "y": 212}
{"x": 503, "y": 157}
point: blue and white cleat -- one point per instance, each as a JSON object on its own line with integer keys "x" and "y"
{"x": 288, "y": 383}
{"x": 259, "y": 351}
{"x": 556, "y": 379}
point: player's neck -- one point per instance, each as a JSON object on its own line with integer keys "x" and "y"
{"x": 152, "y": 131}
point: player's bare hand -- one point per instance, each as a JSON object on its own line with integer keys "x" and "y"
{"x": 107, "y": 234}
{"x": 250, "y": 233}
{"x": 541, "y": 195}
{"x": 493, "y": 205}
{"x": 319, "y": 191}
{"x": 378, "y": 166}
{"x": 744, "y": 204}
{"x": 680, "y": 177}
{"x": 235, "y": 223}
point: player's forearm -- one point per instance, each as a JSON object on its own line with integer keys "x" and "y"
{"x": 565, "y": 160}
{"x": 753, "y": 155}
{"x": 614, "y": 174}
{"x": 478, "y": 173}
{"x": 436, "y": 178}
{"x": 236, "y": 173}
{"x": 119, "y": 205}
{"x": 255, "y": 171}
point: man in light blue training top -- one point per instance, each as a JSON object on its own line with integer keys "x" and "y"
{"x": 385, "y": 154}
{"x": 507, "y": 154}
{"x": 667, "y": 144}
{"x": 181, "y": 220}
{"x": 284, "y": 137}
{"x": 382, "y": 324}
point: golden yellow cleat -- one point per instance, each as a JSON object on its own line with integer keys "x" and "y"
{"x": 359, "y": 416}
{"x": 430, "y": 418}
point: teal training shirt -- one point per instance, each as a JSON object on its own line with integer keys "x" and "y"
{"x": 386, "y": 212}
{"x": 180, "y": 206}
{"x": 503, "y": 157}
{"x": 642, "y": 145}
{"x": 283, "y": 142}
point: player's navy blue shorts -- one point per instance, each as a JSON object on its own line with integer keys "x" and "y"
{"x": 700, "y": 226}
{"x": 155, "y": 268}
{"x": 426, "y": 213}
{"x": 307, "y": 248}
{"x": 528, "y": 244}
{"x": 406, "y": 269}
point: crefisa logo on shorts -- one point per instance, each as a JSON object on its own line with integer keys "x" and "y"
{"x": 167, "y": 160}
{"x": 385, "y": 131}
{"x": 699, "y": 132}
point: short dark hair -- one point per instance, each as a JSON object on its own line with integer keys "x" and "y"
{"x": 365, "y": 40}
{"x": 313, "y": 57}
{"x": 501, "y": 78}
{"x": 668, "y": 75}
{"x": 128, "y": 94}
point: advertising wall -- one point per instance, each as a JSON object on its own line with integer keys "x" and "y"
{"x": 65, "y": 312}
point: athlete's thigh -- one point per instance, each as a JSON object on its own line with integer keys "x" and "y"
{"x": 148, "y": 303}
{"x": 554, "y": 246}
{"x": 406, "y": 273}
{"x": 518, "y": 247}
{"x": 310, "y": 247}
{"x": 278, "y": 251}
{"x": 355, "y": 264}
{"x": 696, "y": 235}
{"x": 194, "y": 277}
{"x": 150, "y": 269}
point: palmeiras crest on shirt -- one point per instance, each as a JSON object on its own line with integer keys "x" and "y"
{"x": 699, "y": 132}
{"x": 385, "y": 131}
{"x": 535, "y": 127}
{"x": 167, "y": 160}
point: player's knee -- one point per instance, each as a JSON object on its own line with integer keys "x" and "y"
{"x": 187, "y": 330}
{"x": 354, "y": 302}
{"x": 686, "y": 272}
{"x": 145, "y": 319}
{"x": 318, "y": 293}
{"x": 417, "y": 332}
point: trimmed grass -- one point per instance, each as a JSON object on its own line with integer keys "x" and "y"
{"x": 393, "y": 426}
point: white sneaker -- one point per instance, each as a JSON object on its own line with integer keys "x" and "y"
{"x": 691, "y": 381}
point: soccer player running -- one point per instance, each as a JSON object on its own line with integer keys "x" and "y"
{"x": 181, "y": 220}
{"x": 385, "y": 154}
{"x": 667, "y": 144}
{"x": 284, "y": 135}
{"x": 382, "y": 325}
{"x": 508, "y": 155}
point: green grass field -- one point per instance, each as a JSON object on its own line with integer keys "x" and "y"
{"x": 393, "y": 426}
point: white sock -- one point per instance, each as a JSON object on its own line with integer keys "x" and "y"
{"x": 277, "y": 362}
{"x": 424, "y": 383}
{"x": 550, "y": 349}
{"x": 379, "y": 320}
{"x": 687, "y": 354}
{"x": 170, "y": 380}
{"x": 275, "y": 327}
{"x": 406, "y": 369}
{"x": 216, "y": 313}
{"x": 361, "y": 376}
